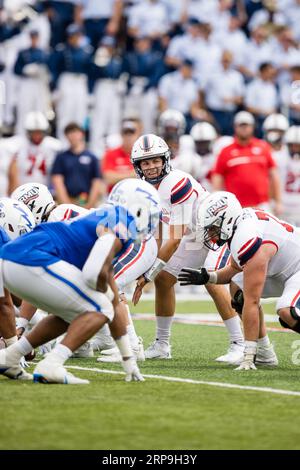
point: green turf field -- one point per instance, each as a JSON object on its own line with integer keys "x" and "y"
{"x": 157, "y": 414}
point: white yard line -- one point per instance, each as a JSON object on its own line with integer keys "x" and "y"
{"x": 196, "y": 382}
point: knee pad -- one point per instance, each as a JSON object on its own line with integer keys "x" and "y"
{"x": 296, "y": 317}
{"x": 237, "y": 302}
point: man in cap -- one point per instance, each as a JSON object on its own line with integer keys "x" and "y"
{"x": 247, "y": 169}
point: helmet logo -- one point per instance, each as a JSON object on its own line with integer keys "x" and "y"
{"x": 217, "y": 207}
{"x": 33, "y": 193}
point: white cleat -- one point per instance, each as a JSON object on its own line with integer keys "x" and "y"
{"x": 266, "y": 356}
{"x": 11, "y": 368}
{"x": 84, "y": 351}
{"x": 102, "y": 342}
{"x": 109, "y": 352}
{"x": 113, "y": 355}
{"x": 50, "y": 372}
{"x": 235, "y": 354}
{"x": 158, "y": 350}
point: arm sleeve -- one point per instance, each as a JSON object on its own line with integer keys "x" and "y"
{"x": 182, "y": 198}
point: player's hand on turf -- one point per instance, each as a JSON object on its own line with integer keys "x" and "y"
{"x": 141, "y": 282}
{"x": 246, "y": 365}
{"x": 132, "y": 371}
{"x": 189, "y": 276}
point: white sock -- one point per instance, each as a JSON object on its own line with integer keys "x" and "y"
{"x": 264, "y": 342}
{"x": 60, "y": 354}
{"x": 21, "y": 347}
{"x": 22, "y": 322}
{"x": 10, "y": 341}
{"x": 234, "y": 329}
{"x": 163, "y": 329}
{"x": 134, "y": 340}
{"x": 105, "y": 330}
{"x": 124, "y": 346}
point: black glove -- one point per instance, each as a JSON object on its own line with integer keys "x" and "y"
{"x": 189, "y": 276}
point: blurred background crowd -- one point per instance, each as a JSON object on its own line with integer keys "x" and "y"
{"x": 81, "y": 80}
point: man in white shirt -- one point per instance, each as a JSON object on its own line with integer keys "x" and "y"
{"x": 223, "y": 93}
{"x": 148, "y": 18}
{"x": 257, "y": 50}
{"x": 261, "y": 95}
{"x": 178, "y": 90}
{"x": 290, "y": 96}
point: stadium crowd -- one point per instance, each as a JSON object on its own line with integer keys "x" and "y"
{"x": 85, "y": 78}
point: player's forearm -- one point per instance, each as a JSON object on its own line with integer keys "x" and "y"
{"x": 168, "y": 249}
{"x": 225, "y": 275}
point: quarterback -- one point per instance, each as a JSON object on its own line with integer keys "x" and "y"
{"x": 180, "y": 196}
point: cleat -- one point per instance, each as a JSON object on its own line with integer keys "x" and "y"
{"x": 102, "y": 342}
{"x": 115, "y": 356}
{"x": 85, "y": 350}
{"x": 158, "y": 350}
{"x": 266, "y": 356}
{"x": 108, "y": 352}
{"x": 11, "y": 368}
{"x": 235, "y": 354}
{"x": 50, "y": 372}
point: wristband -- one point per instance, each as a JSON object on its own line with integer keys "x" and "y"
{"x": 155, "y": 269}
{"x": 213, "y": 277}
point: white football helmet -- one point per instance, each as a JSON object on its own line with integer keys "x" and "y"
{"x": 36, "y": 121}
{"x": 37, "y": 198}
{"x": 171, "y": 120}
{"x": 15, "y": 217}
{"x": 276, "y": 121}
{"x": 150, "y": 146}
{"x": 292, "y": 139}
{"x": 204, "y": 136}
{"x": 217, "y": 218}
{"x": 142, "y": 202}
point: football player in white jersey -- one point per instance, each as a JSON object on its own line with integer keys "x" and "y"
{"x": 265, "y": 262}
{"x": 136, "y": 260}
{"x": 291, "y": 189}
{"x": 34, "y": 153}
{"x": 274, "y": 127}
{"x": 180, "y": 196}
{"x": 204, "y": 136}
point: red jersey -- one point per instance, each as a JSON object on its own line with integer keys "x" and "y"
{"x": 245, "y": 170}
{"x": 116, "y": 160}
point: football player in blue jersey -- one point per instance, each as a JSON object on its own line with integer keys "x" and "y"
{"x": 65, "y": 267}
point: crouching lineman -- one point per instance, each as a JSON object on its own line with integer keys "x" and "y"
{"x": 54, "y": 268}
{"x": 137, "y": 258}
{"x": 265, "y": 262}
{"x": 15, "y": 220}
{"x": 180, "y": 196}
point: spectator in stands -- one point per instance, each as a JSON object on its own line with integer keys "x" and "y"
{"x": 100, "y": 18}
{"x": 178, "y": 90}
{"x": 232, "y": 39}
{"x": 105, "y": 73}
{"x": 149, "y": 18}
{"x": 70, "y": 66}
{"x": 247, "y": 169}
{"x": 76, "y": 174}
{"x": 116, "y": 163}
{"x": 261, "y": 95}
{"x": 257, "y": 51}
{"x": 285, "y": 53}
{"x": 31, "y": 67}
{"x": 61, "y": 14}
{"x": 185, "y": 46}
{"x": 223, "y": 93}
{"x": 290, "y": 96}
{"x": 145, "y": 67}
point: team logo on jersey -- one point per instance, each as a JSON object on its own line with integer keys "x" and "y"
{"x": 217, "y": 207}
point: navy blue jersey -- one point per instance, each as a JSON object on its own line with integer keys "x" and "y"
{"x": 69, "y": 241}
